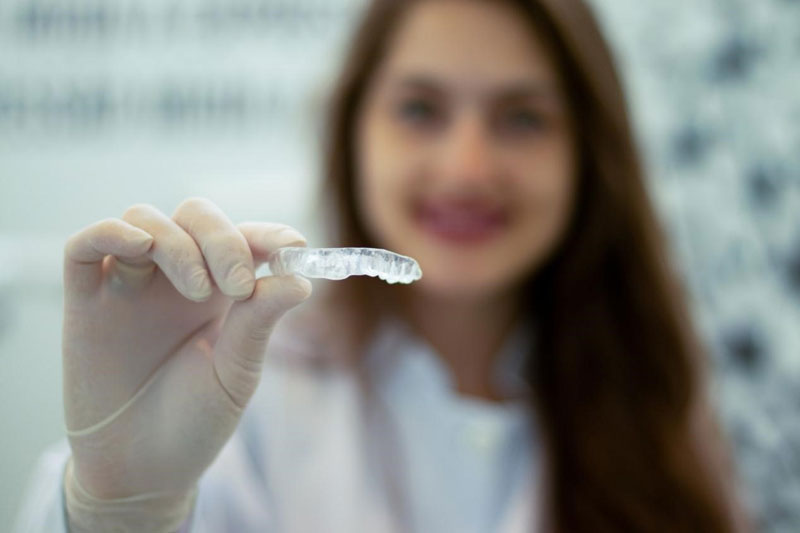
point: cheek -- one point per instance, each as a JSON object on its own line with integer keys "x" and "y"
{"x": 379, "y": 181}
{"x": 549, "y": 200}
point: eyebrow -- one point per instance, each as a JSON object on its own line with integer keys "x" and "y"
{"x": 517, "y": 90}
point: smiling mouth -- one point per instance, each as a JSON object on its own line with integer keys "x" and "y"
{"x": 461, "y": 223}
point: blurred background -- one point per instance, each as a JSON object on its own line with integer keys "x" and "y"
{"x": 104, "y": 104}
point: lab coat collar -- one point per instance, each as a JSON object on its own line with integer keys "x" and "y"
{"x": 394, "y": 339}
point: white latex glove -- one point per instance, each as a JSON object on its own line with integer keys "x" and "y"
{"x": 159, "y": 360}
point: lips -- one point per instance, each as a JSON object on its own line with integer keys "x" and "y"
{"x": 461, "y": 222}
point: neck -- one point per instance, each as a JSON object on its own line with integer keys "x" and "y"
{"x": 467, "y": 334}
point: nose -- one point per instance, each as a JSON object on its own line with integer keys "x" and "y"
{"x": 466, "y": 156}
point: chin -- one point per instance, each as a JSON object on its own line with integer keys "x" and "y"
{"x": 460, "y": 285}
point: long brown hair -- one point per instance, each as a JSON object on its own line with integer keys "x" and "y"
{"x": 615, "y": 368}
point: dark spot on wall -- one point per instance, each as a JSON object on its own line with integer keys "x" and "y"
{"x": 735, "y": 60}
{"x": 745, "y": 349}
{"x": 690, "y": 145}
{"x": 764, "y": 185}
{"x": 793, "y": 271}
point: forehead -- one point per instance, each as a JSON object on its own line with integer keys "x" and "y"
{"x": 470, "y": 43}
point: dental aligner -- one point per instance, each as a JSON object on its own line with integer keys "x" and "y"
{"x": 340, "y": 263}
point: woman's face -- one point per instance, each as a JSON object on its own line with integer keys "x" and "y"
{"x": 466, "y": 160}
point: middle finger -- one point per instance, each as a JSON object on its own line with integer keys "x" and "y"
{"x": 224, "y": 248}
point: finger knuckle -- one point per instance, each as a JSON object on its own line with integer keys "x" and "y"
{"x": 195, "y": 276}
{"x": 224, "y": 244}
{"x": 174, "y": 254}
{"x": 238, "y": 379}
{"x": 183, "y": 256}
{"x": 101, "y": 228}
{"x": 138, "y": 212}
{"x": 106, "y": 226}
{"x": 192, "y": 204}
{"x": 269, "y": 305}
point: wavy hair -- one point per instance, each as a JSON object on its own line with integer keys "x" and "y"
{"x": 629, "y": 441}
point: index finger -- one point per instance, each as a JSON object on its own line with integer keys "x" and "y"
{"x": 266, "y": 237}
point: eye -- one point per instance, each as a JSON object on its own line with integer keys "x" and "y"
{"x": 521, "y": 120}
{"x": 417, "y": 111}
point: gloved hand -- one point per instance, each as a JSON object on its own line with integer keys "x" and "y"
{"x": 165, "y": 330}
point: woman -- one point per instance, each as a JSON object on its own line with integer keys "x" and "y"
{"x": 490, "y": 141}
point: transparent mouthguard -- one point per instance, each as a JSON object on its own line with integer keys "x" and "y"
{"x": 340, "y": 263}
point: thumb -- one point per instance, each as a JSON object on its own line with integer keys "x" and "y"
{"x": 239, "y": 351}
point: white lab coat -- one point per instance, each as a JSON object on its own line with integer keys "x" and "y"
{"x": 316, "y": 451}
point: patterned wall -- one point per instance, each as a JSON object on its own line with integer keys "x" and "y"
{"x": 715, "y": 86}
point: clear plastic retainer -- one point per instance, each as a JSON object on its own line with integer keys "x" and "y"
{"x": 340, "y": 263}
